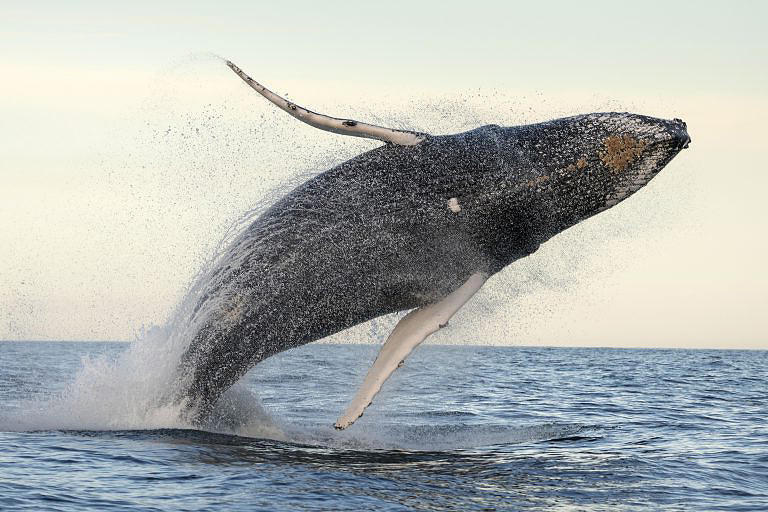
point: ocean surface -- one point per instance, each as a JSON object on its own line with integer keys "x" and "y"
{"x": 456, "y": 428}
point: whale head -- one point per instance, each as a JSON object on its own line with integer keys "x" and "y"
{"x": 576, "y": 167}
{"x": 636, "y": 150}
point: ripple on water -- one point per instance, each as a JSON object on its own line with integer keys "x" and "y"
{"x": 543, "y": 429}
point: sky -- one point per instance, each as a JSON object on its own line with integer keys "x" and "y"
{"x": 127, "y": 149}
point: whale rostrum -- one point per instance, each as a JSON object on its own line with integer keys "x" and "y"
{"x": 419, "y": 224}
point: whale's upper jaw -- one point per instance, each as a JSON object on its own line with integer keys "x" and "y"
{"x": 636, "y": 160}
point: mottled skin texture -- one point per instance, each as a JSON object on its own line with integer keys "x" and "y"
{"x": 376, "y": 235}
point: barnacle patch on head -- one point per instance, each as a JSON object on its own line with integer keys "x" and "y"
{"x": 453, "y": 205}
{"x": 620, "y": 151}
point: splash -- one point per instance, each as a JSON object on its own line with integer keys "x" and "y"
{"x": 137, "y": 390}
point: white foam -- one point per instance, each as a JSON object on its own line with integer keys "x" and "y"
{"x": 433, "y": 437}
{"x": 133, "y": 392}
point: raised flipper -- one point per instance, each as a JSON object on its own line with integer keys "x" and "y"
{"x": 333, "y": 124}
{"x": 412, "y": 329}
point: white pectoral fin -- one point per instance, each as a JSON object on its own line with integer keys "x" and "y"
{"x": 412, "y": 329}
{"x": 332, "y": 124}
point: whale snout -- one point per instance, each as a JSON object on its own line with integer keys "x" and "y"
{"x": 679, "y": 132}
{"x": 634, "y": 158}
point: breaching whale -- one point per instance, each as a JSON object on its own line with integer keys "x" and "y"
{"x": 419, "y": 223}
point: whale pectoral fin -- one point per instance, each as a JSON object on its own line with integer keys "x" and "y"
{"x": 332, "y": 124}
{"x": 412, "y": 329}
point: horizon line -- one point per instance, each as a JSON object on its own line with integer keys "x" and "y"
{"x": 440, "y": 345}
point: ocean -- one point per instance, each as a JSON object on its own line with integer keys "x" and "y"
{"x": 456, "y": 428}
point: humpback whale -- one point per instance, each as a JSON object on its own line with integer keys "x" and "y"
{"x": 417, "y": 224}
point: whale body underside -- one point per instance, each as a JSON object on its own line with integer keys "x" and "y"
{"x": 403, "y": 227}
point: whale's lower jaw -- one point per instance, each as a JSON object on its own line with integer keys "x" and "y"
{"x": 633, "y": 181}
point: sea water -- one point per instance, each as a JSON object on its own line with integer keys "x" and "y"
{"x": 456, "y": 428}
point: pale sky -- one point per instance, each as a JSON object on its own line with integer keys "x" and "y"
{"x": 127, "y": 149}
